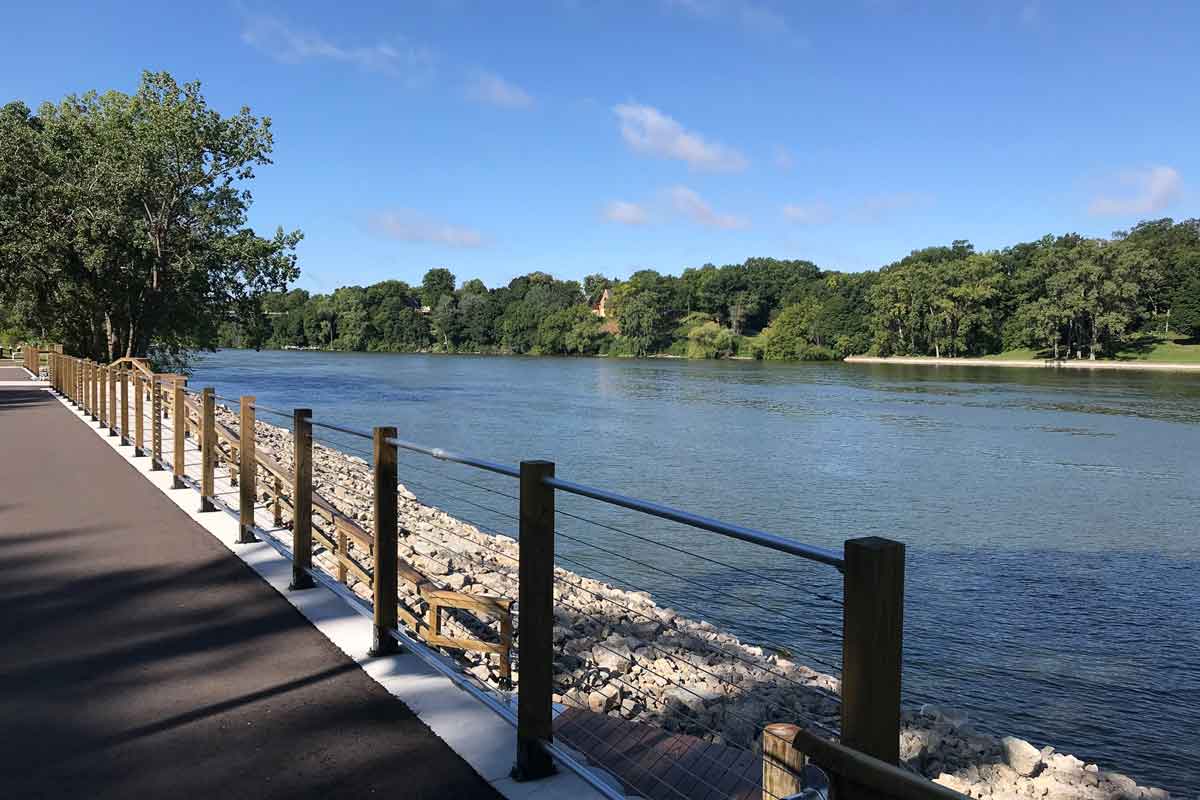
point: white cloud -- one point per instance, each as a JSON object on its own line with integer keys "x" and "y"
{"x": 407, "y": 225}
{"x": 491, "y": 89}
{"x": 1146, "y": 191}
{"x": 647, "y": 130}
{"x": 281, "y": 42}
{"x": 818, "y": 213}
{"x": 687, "y": 202}
{"x": 625, "y": 213}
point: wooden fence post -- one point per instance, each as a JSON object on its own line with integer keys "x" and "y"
{"x": 872, "y": 643}
{"x": 247, "y": 472}
{"x": 94, "y": 380}
{"x": 302, "y": 444}
{"x": 387, "y": 512}
{"x": 782, "y": 761}
{"x": 535, "y": 722}
{"x": 156, "y": 391}
{"x": 208, "y": 448}
{"x": 124, "y": 406}
{"x": 139, "y": 413}
{"x": 102, "y": 387}
{"x": 178, "y": 426}
{"x": 111, "y": 373}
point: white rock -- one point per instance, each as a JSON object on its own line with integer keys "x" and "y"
{"x": 613, "y": 655}
{"x": 1021, "y": 755}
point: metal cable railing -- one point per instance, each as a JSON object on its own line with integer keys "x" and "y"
{"x": 619, "y": 663}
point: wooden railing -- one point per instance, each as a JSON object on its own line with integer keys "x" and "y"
{"x": 872, "y": 568}
{"x": 33, "y": 357}
{"x": 852, "y": 775}
{"x": 104, "y": 392}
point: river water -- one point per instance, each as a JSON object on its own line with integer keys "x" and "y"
{"x": 1053, "y": 573}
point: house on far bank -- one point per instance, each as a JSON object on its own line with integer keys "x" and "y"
{"x": 601, "y": 307}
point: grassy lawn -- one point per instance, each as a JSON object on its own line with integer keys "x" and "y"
{"x": 1173, "y": 350}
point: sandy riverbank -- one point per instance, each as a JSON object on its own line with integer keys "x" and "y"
{"x": 928, "y": 361}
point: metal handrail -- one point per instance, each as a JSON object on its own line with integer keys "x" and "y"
{"x": 457, "y": 458}
{"x": 761, "y": 538}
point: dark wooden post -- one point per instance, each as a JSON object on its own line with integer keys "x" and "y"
{"x": 247, "y": 472}
{"x": 156, "y": 391}
{"x": 872, "y": 643}
{"x": 302, "y": 444}
{"x": 387, "y": 513}
{"x": 536, "y": 599}
{"x": 102, "y": 384}
{"x": 124, "y": 404}
{"x": 94, "y": 380}
{"x": 276, "y": 505}
{"x": 178, "y": 428}
{"x": 782, "y": 761}
{"x": 111, "y": 372}
{"x": 139, "y": 413}
{"x": 208, "y": 448}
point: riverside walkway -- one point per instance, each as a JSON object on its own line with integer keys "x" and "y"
{"x": 140, "y": 658}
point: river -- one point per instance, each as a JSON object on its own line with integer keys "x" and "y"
{"x": 1053, "y": 578}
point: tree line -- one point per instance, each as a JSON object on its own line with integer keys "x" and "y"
{"x": 123, "y": 231}
{"x": 1063, "y": 297}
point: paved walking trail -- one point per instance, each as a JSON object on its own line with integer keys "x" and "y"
{"x": 139, "y": 658}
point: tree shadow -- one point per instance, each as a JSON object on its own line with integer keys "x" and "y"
{"x": 123, "y": 676}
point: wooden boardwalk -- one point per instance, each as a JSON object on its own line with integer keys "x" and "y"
{"x": 140, "y": 658}
{"x": 658, "y": 765}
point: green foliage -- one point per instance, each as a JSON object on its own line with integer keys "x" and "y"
{"x": 791, "y": 336}
{"x": 123, "y": 220}
{"x": 438, "y": 283}
{"x": 710, "y": 340}
{"x": 644, "y": 323}
{"x": 570, "y": 331}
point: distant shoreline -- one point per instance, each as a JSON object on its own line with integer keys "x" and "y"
{"x": 1145, "y": 366}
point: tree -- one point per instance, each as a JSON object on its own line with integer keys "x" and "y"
{"x": 570, "y": 330}
{"x": 124, "y": 219}
{"x": 643, "y": 323}
{"x": 790, "y": 336}
{"x": 437, "y": 283}
{"x": 710, "y": 340}
{"x": 446, "y": 323}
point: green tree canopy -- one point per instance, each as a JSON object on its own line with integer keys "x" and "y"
{"x": 123, "y": 219}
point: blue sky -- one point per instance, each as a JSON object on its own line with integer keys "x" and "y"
{"x": 577, "y": 137}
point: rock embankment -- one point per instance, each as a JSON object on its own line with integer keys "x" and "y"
{"x": 619, "y": 652}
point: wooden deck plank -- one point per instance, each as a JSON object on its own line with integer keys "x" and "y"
{"x": 659, "y": 765}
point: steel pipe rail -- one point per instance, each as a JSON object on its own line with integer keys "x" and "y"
{"x": 761, "y": 538}
{"x": 361, "y": 434}
{"x": 470, "y": 461}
